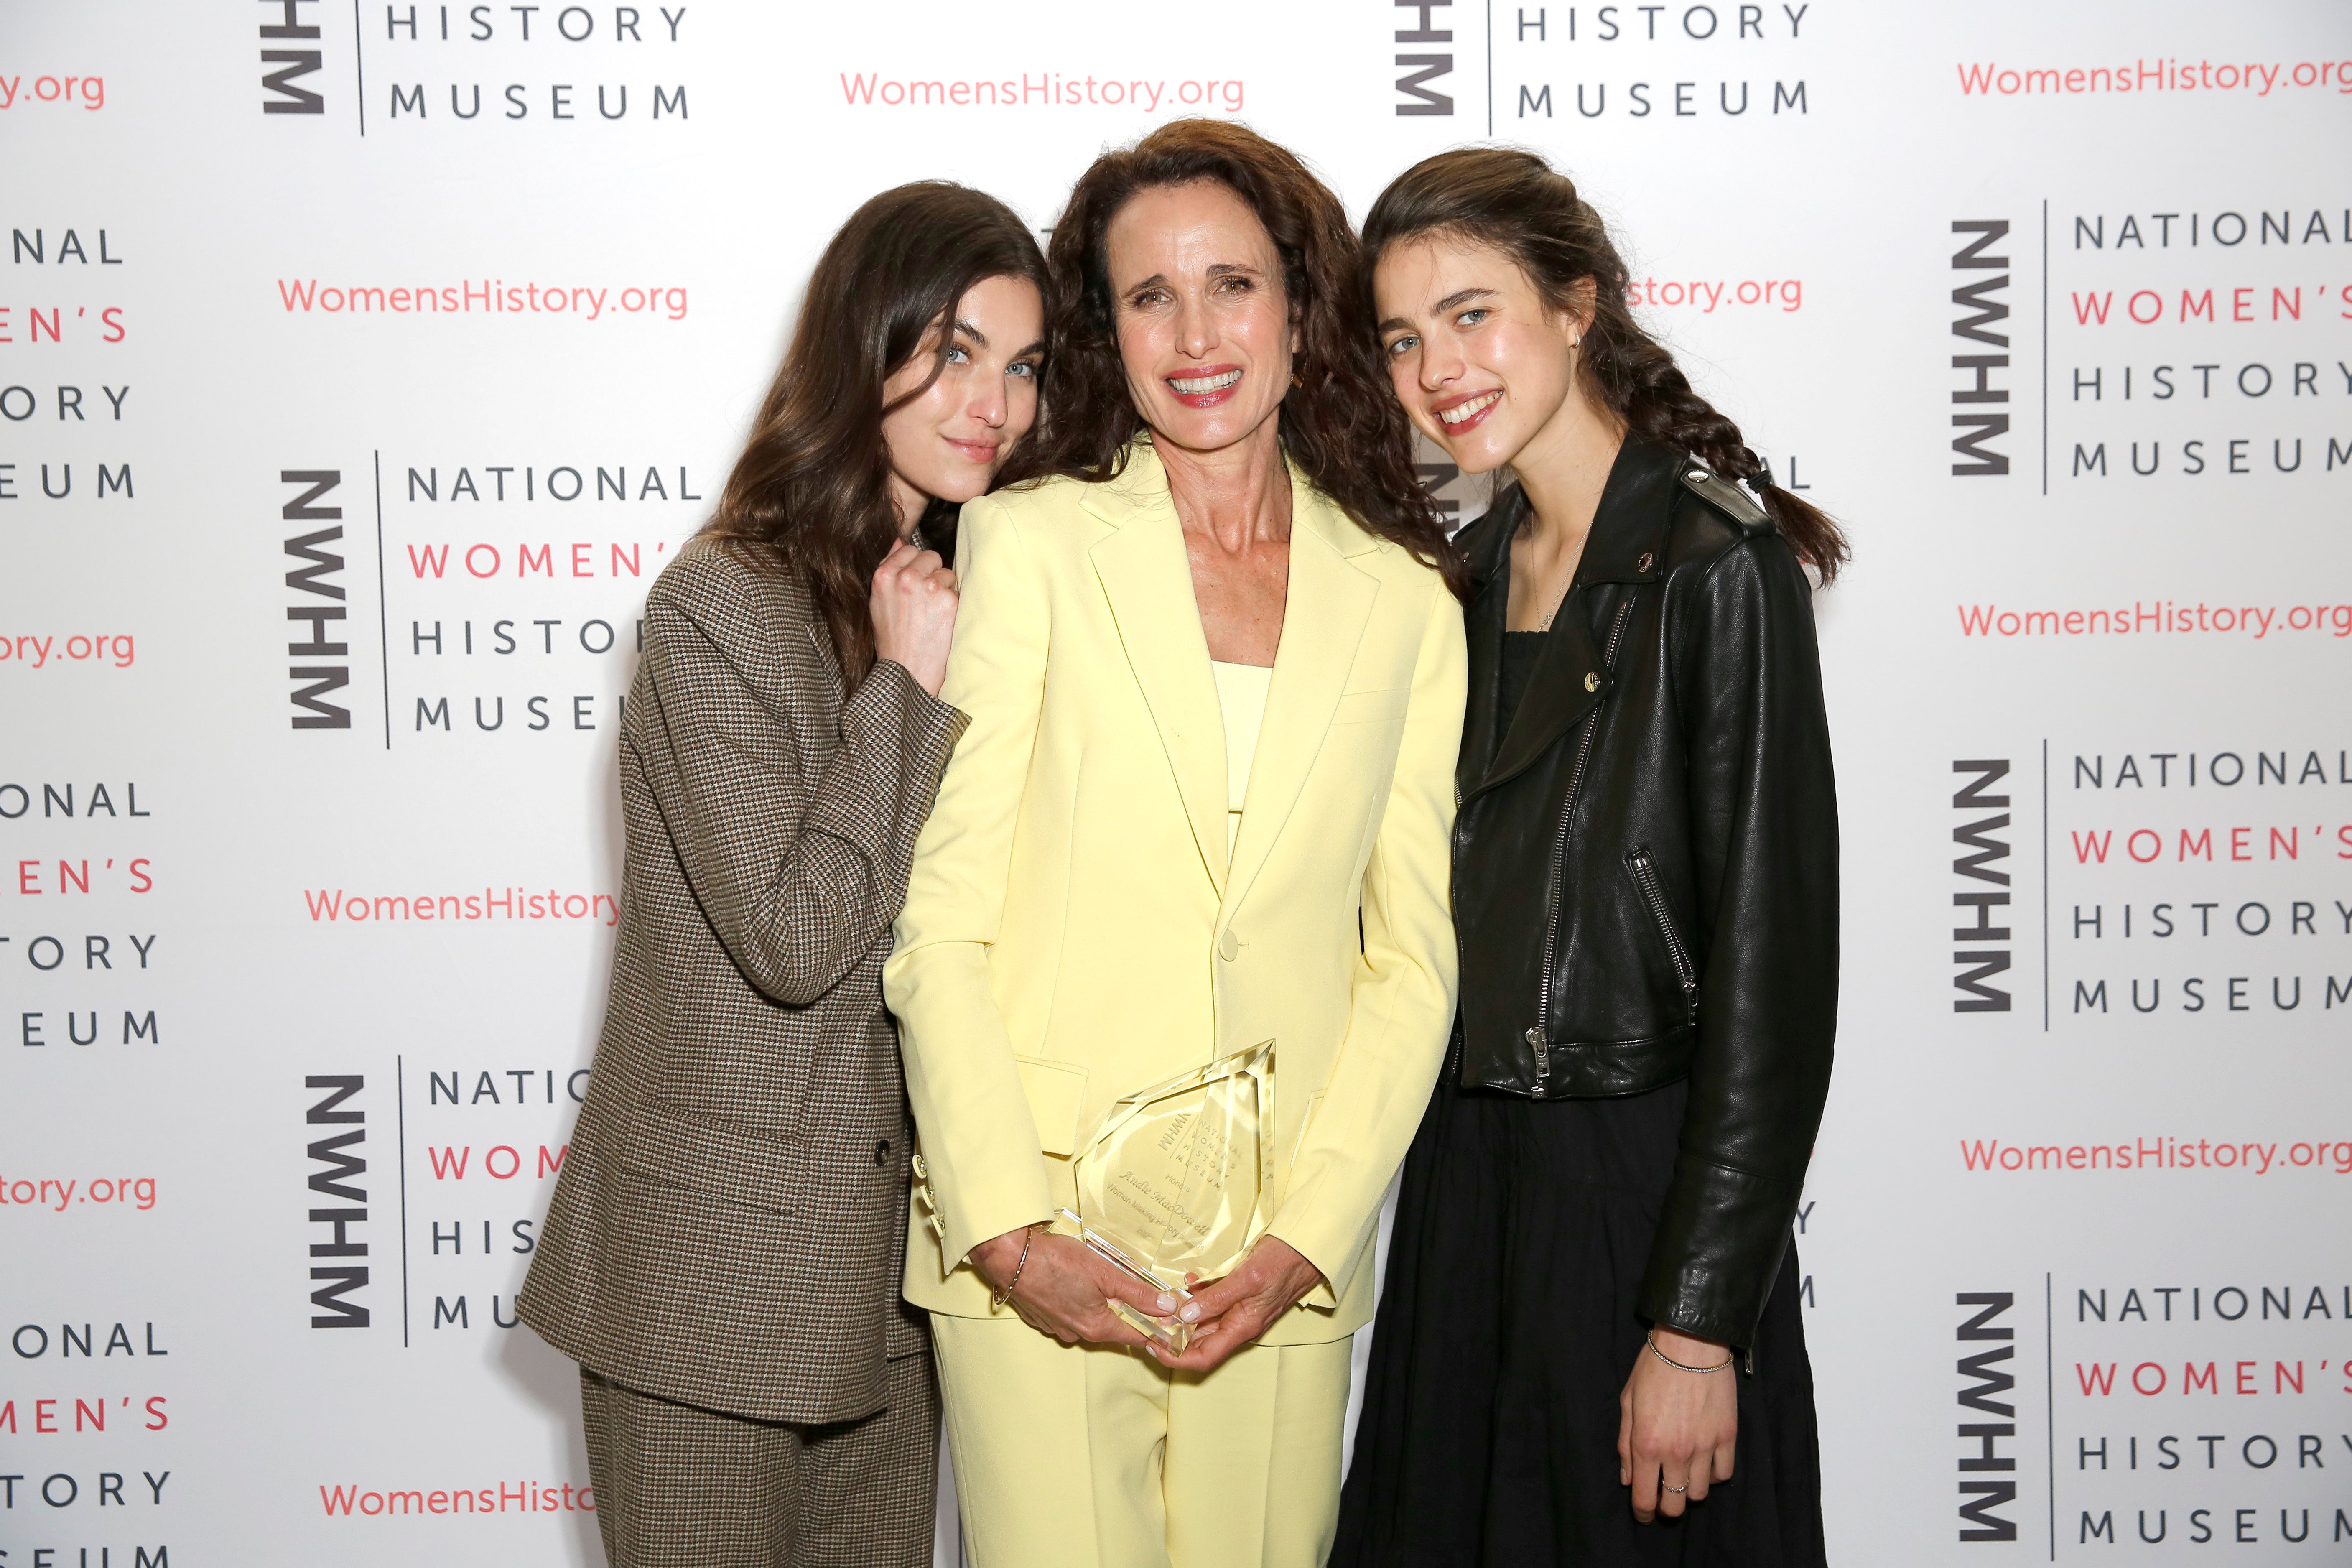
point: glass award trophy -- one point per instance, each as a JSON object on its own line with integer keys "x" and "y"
{"x": 1178, "y": 1181}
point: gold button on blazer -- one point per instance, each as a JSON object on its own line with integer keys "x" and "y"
{"x": 1074, "y": 928}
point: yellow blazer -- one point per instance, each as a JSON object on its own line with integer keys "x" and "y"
{"x": 1073, "y": 928}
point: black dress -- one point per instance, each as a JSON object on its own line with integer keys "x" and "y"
{"x": 1507, "y": 1332}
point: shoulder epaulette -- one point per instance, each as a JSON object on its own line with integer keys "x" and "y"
{"x": 1726, "y": 498}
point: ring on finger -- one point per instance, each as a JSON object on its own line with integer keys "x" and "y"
{"x": 1681, "y": 1488}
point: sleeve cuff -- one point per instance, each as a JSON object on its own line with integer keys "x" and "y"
{"x": 985, "y": 1216}
{"x": 931, "y": 727}
{"x": 1329, "y": 1259}
{"x": 1717, "y": 1252}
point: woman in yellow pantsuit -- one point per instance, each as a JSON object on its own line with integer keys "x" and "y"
{"x": 1215, "y": 675}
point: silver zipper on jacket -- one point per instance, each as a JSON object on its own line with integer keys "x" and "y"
{"x": 1453, "y": 1072}
{"x": 1539, "y": 1036}
{"x": 1654, "y": 890}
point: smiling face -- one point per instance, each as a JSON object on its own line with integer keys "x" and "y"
{"x": 1202, "y": 318}
{"x": 1480, "y": 362}
{"x": 950, "y": 439}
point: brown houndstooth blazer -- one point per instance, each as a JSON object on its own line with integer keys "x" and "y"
{"x": 730, "y": 1224}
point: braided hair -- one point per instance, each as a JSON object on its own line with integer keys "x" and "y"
{"x": 1512, "y": 200}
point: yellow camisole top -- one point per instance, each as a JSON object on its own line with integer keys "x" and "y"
{"x": 1241, "y": 694}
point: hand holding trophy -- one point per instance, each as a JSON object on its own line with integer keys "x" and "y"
{"x": 1176, "y": 1184}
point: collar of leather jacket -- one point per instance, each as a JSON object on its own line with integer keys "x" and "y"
{"x": 1627, "y": 544}
{"x": 1629, "y": 528}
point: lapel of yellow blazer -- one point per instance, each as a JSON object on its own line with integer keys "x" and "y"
{"x": 1148, "y": 579}
{"x": 1330, "y": 604}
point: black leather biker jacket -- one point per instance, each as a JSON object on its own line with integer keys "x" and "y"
{"x": 1645, "y": 874}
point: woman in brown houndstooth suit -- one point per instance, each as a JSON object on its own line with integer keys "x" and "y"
{"x": 723, "y": 1251}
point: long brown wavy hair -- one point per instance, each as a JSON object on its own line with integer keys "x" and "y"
{"x": 1513, "y": 201}
{"x": 811, "y": 491}
{"x": 1339, "y": 422}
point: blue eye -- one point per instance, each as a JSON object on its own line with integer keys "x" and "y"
{"x": 1402, "y": 344}
{"x": 1024, "y": 368}
{"x": 959, "y": 355}
{"x": 1472, "y": 318}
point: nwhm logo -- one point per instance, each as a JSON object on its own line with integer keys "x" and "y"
{"x": 335, "y": 1280}
{"x": 312, "y": 711}
{"x": 1976, "y": 424}
{"x": 1980, "y": 959}
{"x": 1978, "y": 1469}
{"x": 281, "y": 94}
{"x": 1420, "y": 67}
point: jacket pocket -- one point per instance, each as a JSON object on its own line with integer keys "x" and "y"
{"x": 1057, "y": 1093}
{"x": 730, "y": 1160}
{"x": 1385, "y": 706}
{"x": 1654, "y": 894}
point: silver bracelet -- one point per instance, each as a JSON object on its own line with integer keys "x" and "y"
{"x": 1652, "y": 1341}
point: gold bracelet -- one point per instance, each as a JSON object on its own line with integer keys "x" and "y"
{"x": 1652, "y": 1341}
{"x": 996, "y": 1299}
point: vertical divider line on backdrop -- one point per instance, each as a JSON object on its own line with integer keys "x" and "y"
{"x": 359, "y": 65}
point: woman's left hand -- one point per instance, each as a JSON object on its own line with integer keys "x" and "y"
{"x": 1676, "y": 1430}
{"x": 1230, "y": 1314}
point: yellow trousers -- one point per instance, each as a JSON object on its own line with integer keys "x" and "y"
{"x": 1095, "y": 1456}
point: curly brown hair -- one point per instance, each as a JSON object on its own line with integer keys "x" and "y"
{"x": 1513, "y": 201}
{"x": 1339, "y": 422}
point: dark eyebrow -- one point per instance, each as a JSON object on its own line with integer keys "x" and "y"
{"x": 967, "y": 330}
{"x": 1036, "y": 348}
{"x": 1216, "y": 270}
{"x": 1460, "y": 297}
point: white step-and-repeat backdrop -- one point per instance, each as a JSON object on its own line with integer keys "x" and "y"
{"x": 359, "y": 366}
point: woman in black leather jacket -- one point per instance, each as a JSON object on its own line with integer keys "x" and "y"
{"x": 1591, "y": 1289}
